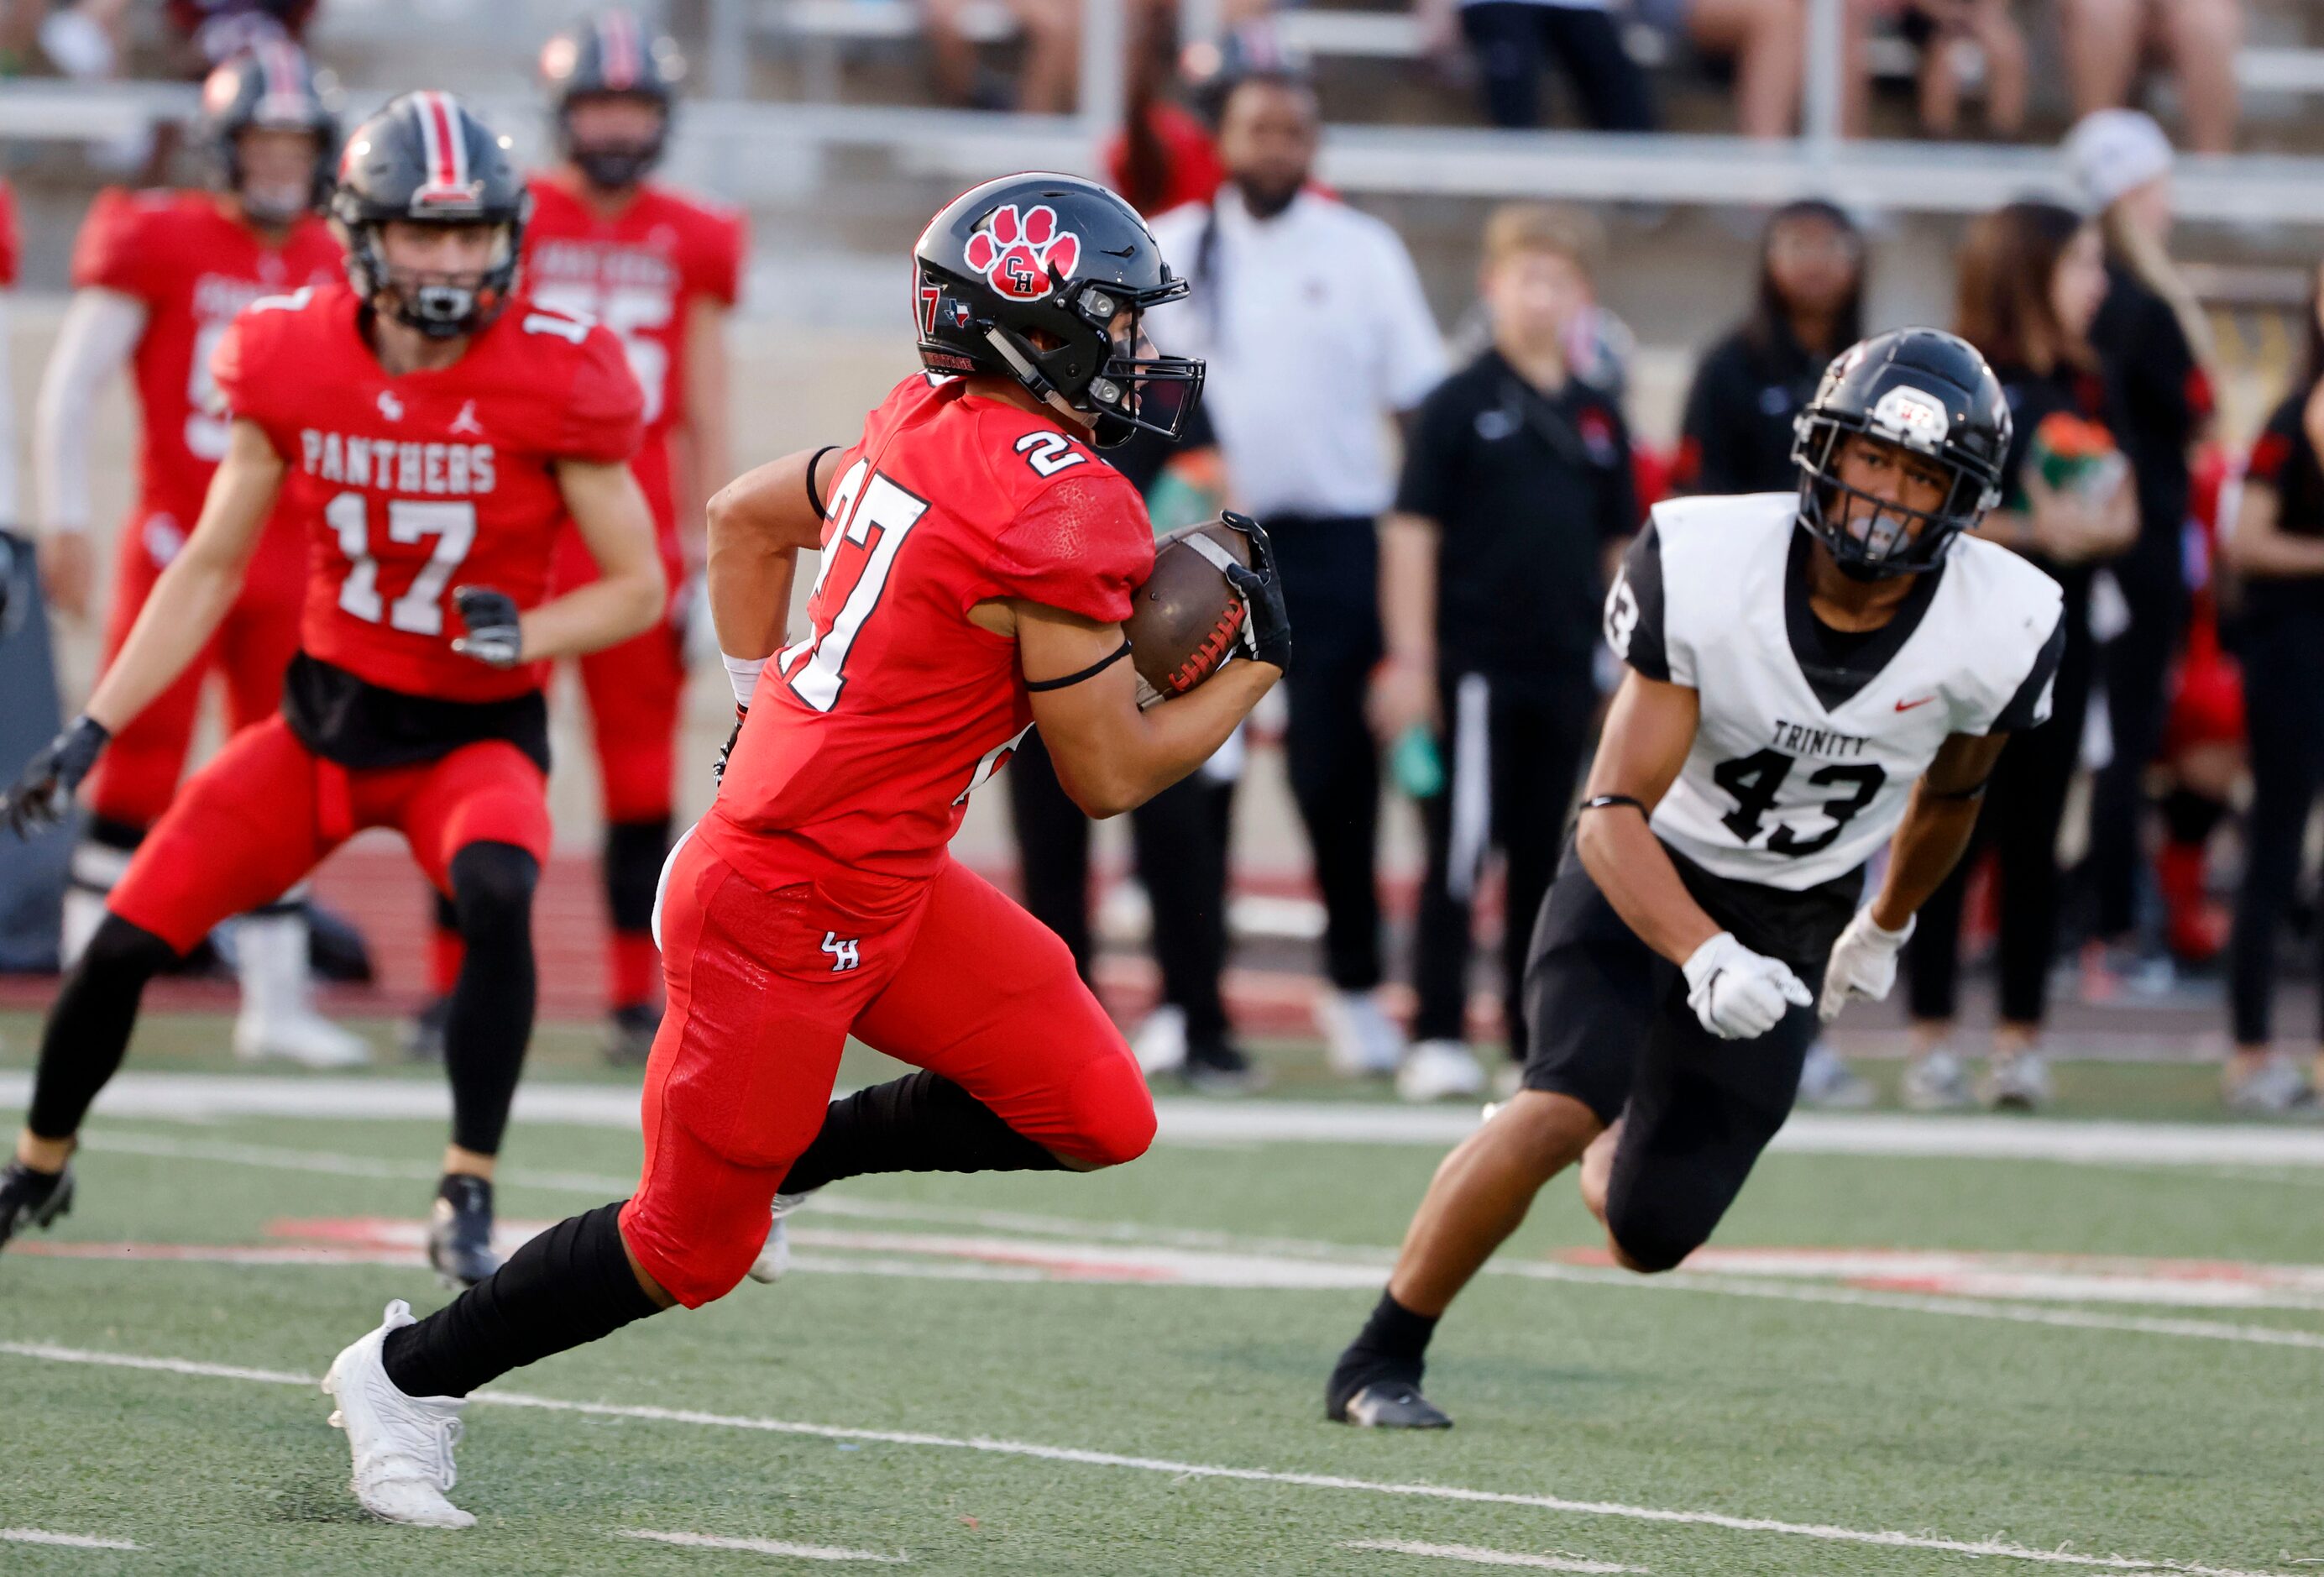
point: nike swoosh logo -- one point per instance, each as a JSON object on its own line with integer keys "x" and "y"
{"x": 1908, "y": 705}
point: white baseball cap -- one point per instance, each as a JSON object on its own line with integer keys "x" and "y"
{"x": 2111, "y": 151}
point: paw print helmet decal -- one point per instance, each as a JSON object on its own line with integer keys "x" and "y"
{"x": 1044, "y": 279}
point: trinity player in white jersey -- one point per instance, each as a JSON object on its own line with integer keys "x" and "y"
{"x": 1810, "y": 677}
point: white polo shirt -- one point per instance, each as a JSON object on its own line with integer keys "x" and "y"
{"x": 1316, "y": 331}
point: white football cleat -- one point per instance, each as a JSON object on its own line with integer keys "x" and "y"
{"x": 1440, "y": 1070}
{"x": 1935, "y": 1081}
{"x": 775, "y": 1257}
{"x": 402, "y": 1445}
{"x": 1360, "y": 1038}
{"x": 278, "y": 1022}
{"x": 1159, "y": 1043}
{"x": 2017, "y": 1081}
{"x": 1826, "y": 1080}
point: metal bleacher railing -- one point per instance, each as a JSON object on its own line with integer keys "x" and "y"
{"x": 750, "y": 147}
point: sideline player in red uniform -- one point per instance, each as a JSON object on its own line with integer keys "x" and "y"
{"x": 158, "y": 277}
{"x": 432, "y": 445}
{"x": 978, "y": 561}
{"x": 661, "y": 270}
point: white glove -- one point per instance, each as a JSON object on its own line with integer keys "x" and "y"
{"x": 1737, "y": 994}
{"x": 1863, "y": 964}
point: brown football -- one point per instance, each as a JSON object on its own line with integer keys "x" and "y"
{"x": 1184, "y": 620}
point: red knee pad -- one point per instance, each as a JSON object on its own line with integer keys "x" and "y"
{"x": 698, "y": 1221}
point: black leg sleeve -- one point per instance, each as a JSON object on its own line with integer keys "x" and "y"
{"x": 570, "y": 1286}
{"x": 489, "y": 1022}
{"x": 922, "y": 1122}
{"x": 87, "y": 1032}
{"x": 635, "y": 850}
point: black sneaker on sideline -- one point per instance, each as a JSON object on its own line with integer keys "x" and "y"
{"x": 460, "y": 1230}
{"x": 32, "y": 1199}
{"x": 630, "y": 1031}
{"x": 1219, "y": 1067}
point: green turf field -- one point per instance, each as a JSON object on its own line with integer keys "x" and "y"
{"x": 1121, "y": 1373}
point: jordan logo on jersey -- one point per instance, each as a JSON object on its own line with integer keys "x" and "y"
{"x": 466, "y": 421}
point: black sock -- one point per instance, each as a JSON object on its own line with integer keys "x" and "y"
{"x": 1392, "y": 1345}
{"x": 87, "y": 1031}
{"x": 923, "y": 1122}
{"x": 570, "y": 1286}
{"x": 489, "y": 1021}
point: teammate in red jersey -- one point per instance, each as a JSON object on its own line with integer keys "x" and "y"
{"x": 432, "y": 445}
{"x": 661, "y": 270}
{"x": 158, "y": 276}
{"x": 978, "y": 561}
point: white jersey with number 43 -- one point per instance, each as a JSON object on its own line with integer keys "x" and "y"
{"x": 1811, "y": 740}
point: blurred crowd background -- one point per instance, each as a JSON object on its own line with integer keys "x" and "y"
{"x": 1480, "y": 282}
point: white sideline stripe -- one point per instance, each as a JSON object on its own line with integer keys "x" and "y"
{"x": 78, "y": 1541}
{"x": 1476, "y": 1556}
{"x": 706, "y": 1541}
{"x": 1824, "y": 1532}
{"x": 181, "y": 1096}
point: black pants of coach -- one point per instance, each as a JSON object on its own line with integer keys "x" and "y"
{"x": 2283, "y": 656}
{"x": 2024, "y": 801}
{"x": 1512, "y": 747}
{"x": 1180, "y": 836}
{"x": 1331, "y": 589}
{"x": 2137, "y": 665}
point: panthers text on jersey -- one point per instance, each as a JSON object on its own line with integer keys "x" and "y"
{"x": 867, "y": 735}
{"x": 408, "y": 486}
{"x": 1805, "y": 756}
{"x": 191, "y": 265}
{"x": 640, "y": 274}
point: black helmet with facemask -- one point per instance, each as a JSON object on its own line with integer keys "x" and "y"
{"x": 1929, "y": 392}
{"x": 613, "y": 56}
{"x": 1042, "y": 278}
{"x": 272, "y": 87}
{"x": 426, "y": 159}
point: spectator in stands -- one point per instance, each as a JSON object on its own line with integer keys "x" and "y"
{"x": 2152, "y": 335}
{"x": 2276, "y": 546}
{"x": 1515, "y": 497}
{"x": 2107, "y": 42}
{"x": 1312, "y": 317}
{"x": 1514, "y": 39}
{"x": 2032, "y": 277}
{"x": 1938, "y": 28}
{"x": 1180, "y": 835}
{"x": 1164, "y": 156}
{"x": 1808, "y": 307}
{"x": 1051, "y": 31}
{"x": 1766, "y": 41}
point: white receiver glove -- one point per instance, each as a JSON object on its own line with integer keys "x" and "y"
{"x": 1863, "y": 964}
{"x": 1737, "y": 994}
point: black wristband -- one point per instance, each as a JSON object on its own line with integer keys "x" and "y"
{"x": 814, "y": 460}
{"x": 1604, "y": 801}
{"x": 1091, "y": 672}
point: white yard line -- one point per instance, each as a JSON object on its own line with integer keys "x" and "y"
{"x": 1821, "y": 1531}
{"x": 1474, "y": 1557}
{"x": 706, "y": 1541}
{"x": 185, "y": 1096}
{"x": 75, "y": 1540}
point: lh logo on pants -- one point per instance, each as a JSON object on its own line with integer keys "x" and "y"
{"x": 843, "y": 956}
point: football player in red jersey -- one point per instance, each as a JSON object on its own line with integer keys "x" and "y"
{"x": 158, "y": 276}
{"x": 978, "y": 562}
{"x": 661, "y": 270}
{"x": 431, "y": 437}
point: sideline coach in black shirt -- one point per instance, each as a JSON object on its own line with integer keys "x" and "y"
{"x": 1516, "y": 491}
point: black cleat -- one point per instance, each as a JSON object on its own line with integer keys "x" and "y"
{"x": 1217, "y": 1067}
{"x": 423, "y": 1032}
{"x": 32, "y": 1199}
{"x": 460, "y": 1230}
{"x": 1388, "y": 1404}
{"x": 630, "y": 1031}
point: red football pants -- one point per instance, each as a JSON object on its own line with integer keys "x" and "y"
{"x": 139, "y": 774}
{"x": 266, "y": 810}
{"x": 945, "y": 974}
{"x": 634, "y": 691}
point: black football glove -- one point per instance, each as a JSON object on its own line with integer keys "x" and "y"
{"x": 494, "y": 638}
{"x": 719, "y": 772}
{"x": 1266, "y": 625}
{"x": 42, "y": 793}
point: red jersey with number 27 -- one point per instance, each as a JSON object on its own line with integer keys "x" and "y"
{"x": 410, "y": 486}
{"x": 867, "y": 735}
